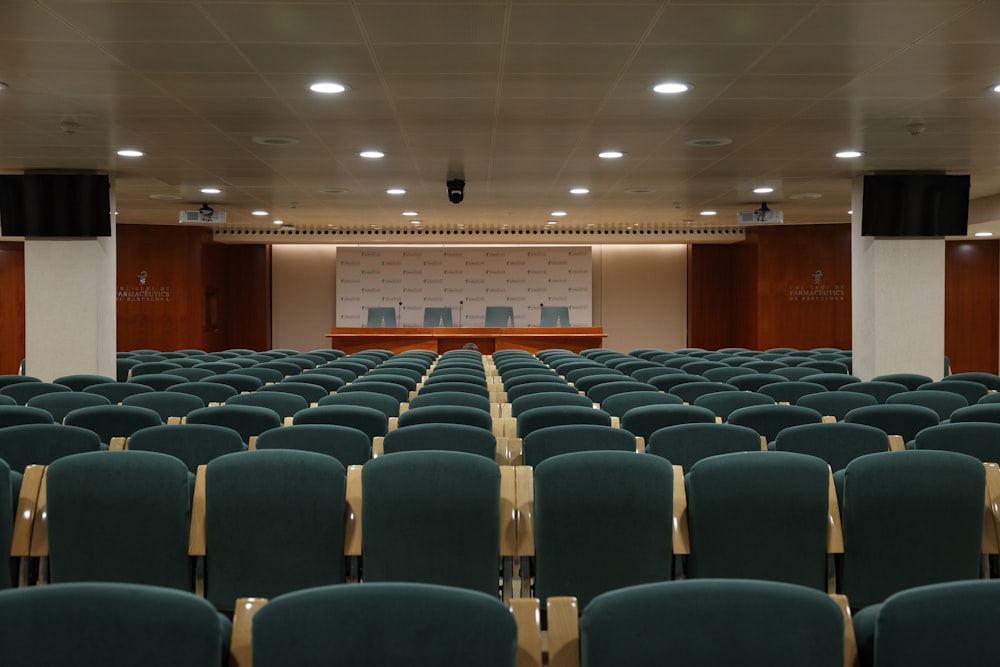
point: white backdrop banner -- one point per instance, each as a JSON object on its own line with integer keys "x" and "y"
{"x": 467, "y": 280}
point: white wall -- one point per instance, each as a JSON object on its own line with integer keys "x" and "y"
{"x": 639, "y": 292}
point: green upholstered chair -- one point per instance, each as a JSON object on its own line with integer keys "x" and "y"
{"x": 588, "y": 382}
{"x": 27, "y": 444}
{"x": 895, "y": 419}
{"x": 6, "y": 380}
{"x": 119, "y": 516}
{"x": 432, "y": 517}
{"x": 724, "y": 374}
{"x": 836, "y": 404}
{"x": 938, "y": 624}
{"x": 59, "y": 404}
{"x": 116, "y": 392}
{"x": 990, "y": 380}
{"x": 764, "y": 366}
{"x": 285, "y": 404}
{"x": 911, "y": 381}
{"x": 944, "y": 403}
{"x": 580, "y": 372}
{"x": 398, "y": 392}
{"x": 328, "y": 382}
{"x": 80, "y": 381}
{"x": 274, "y": 523}
{"x": 630, "y": 367}
{"x": 113, "y": 421}
{"x": 499, "y": 316}
{"x": 770, "y": 420}
{"x": 446, "y": 414}
{"x": 880, "y": 389}
{"x": 370, "y": 421}
{"x": 437, "y": 317}
{"x": 453, "y": 437}
{"x": 110, "y": 625}
{"x": 158, "y": 381}
{"x": 548, "y": 398}
{"x": 686, "y": 444}
{"x": 538, "y": 388}
{"x": 283, "y": 367}
{"x": 345, "y": 374}
{"x": 265, "y": 375}
{"x": 310, "y": 392}
{"x": 7, "y": 400}
{"x": 11, "y": 415}
{"x": 384, "y": 403}
{"x": 599, "y": 393}
{"x": 8, "y": 505}
{"x": 450, "y": 398}
{"x": 790, "y": 391}
{"x": 192, "y": 374}
{"x": 755, "y": 381}
{"x": 167, "y": 404}
{"x": 972, "y": 391}
{"x": 22, "y": 392}
{"x": 557, "y": 415}
{"x": 699, "y": 367}
{"x": 152, "y": 368}
{"x": 618, "y": 404}
{"x": 544, "y": 443}
{"x": 690, "y": 392}
{"x": 713, "y": 622}
{"x": 838, "y": 444}
{"x": 208, "y": 392}
{"x": 241, "y": 383}
{"x": 589, "y": 536}
{"x": 247, "y": 420}
{"x": 194, "y": 444}
{"x": 740, "y": 508}
{"x": 554, "y": 316}
{"x": 722, "y": 403}
{"x": 910, "y": 518}
{"x": 123, "y": 367}
{"x": 980, "y": 412}
{"x": 539, "y": 376}
{"x": 832, "y": 381}
{"x": 381, "y": 317}
{"x": 644, "y": 420}
{"x": 793, "y": 372}
{"x": 348, "y": 445}
{"x": 385, "y": 624}
{"x": 408, "y": 377}
{"x": 978, "y": 439}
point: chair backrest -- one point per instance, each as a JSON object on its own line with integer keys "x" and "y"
{"x": 209, "y": 392}
{"x": 554, "y": 316}
{"x": 599, "y": 393}
{"x": 587, "y": 540}
{"x": 644, "y": 420}
{"x": 686, "y": 444}
{"x": 344, "y": 443}
{"x": 116, "y": 392}
{"x": 895, "y": 419}
{"x": 689, "y": 392}
{"x": 522, "y": 390}
{"x": 838, "y": 444}
{"x": 911, "y": 381}
{"x": 450, "y": 398}
{"x": 167, "y": 404}
{"x": 265, "y": 375}
{"x": 617, "y": 405}
{"x": 452, "y": 437}
{"x": 910, "y": 518}
{"x": 247, "y": 420}
{"x": 432, "y": 517}
{"x": 80, "y": 381}
{"x": 722, "y": 403}
{"x": 397, "y": 391}
{"x": 714, "y": 622}
{"x": 110, "y": 625}
{"x": 836, "y": 404}
{"x": 770, "y": 420}
{"x": 22, "y": 392}
{"x": 544, "y": 443}
{"x": 385, "y": 624}
{"x": 790, "y": 391}
{"x": 59, "y": 404}
{"x": 310, "y": 392}
{"x": 446, "y": 414}
{"x": 385, "y": 404}
{"x": 113, "y": 421}
{"x": 755, "y": 381}
{"x": 239, "y": 382}
{"x": 8, "y": 503}
{"x": 978, "y": 439}
{"x": 880, "y": 389}
{"x": 556, "y": 415}
{"x": 944, "y": 403}
{"x": 437, "y": 317}
{"x": 274, "y": 523}
{"x": 499, "y": 316}
{"x": 382, "y": 317}
{"x": 400, "y": 378}
{"x": 194, "y": 444}
{"x": 740, "y": 507}
{"x": 285, "y": 404}
{"x": 11, "y": 415}
{"x": 119, "y": 516}
{"x": 328, "y": 382}
{"x": 972, "y": 391}
{"x": 27, "y": 444}
{"x": 367, "y": 420}
{"x": 989, "y": 380}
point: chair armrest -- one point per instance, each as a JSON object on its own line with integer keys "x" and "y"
{"x": 378, "y": 446}
{"x": 563, "y": 616}
{"x": 527, "y": 615}
{"x": 850, "y": 643}
{"x": 525, "y": 493}
{"x": 640, "y": 444}
{"x": 252, "y": 443}
{"x": 498, "y": 425}
{"x": 896, "y": 443}
{"x": 40, "y": 527}
{"x": 241, "y": 641}
{"x": 681, "y": 536}
{"x": 393, "y": 423}
{"x": 196, "y": 534}
{"x": 118, "y": 444}
{"x": 27, "y": 508}
{"x": 834, "y": 531}
{"x": 515, "y": 451}
{"x": 829, "y": 419}
{"x": 403, "y": 407}
{"x": 352, "y": 522}
{"x": 508, "y": 511}
{"x": 991, "y": 523}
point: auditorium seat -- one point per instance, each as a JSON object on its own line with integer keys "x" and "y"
{"x": 284, "y": 403}
{"x": 370, "y": 421}
{"x": 452, "y": 437}
{"x": 348, "y": 445}
{"x": 836, "y": 404}
{"x": 838, "y": 444}
{"x": 116, "y": 392}
{"x": 643, "y": 421}
{"x": 544, "y": 443}
{"x": 80, "y": 381}
{"x": 686, "y": 444}
{"x": 385, "y": 404}
{"x": 59, "y": 404}
{"x": 168, "y": 404}
{"x": 898, "y": 419}
{"x": 113, "y": 421}
{"x": 22, "y": 392}
{"x": 944, "y": 403}
{"x": 194, "y": 444}
{"x": 722, "y": 403}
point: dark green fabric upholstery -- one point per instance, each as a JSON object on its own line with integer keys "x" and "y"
{"x": 310, "y": 392}
{"x": 980, "y": 412}
{"x": 110, "y": 625}
{"x": 910, "y": 518}
{"x": 895, "y": 419}
{"x": 113, "y": 421}
{"x": 602, "y": 521}
{"x": 689, "y": 392}
{"x": 770, "y": 420}
{"x": 452, "y": 437}
{"x": 367, "y": 420}
{"x": 756, "y": 381}
{"x": 385, "y": 624}
{"x": 116, "y": 392}
{"x": 548, "y": 398}
{"x": 880, "y": 389}
{"x": 345, "y": 374}
{"x": 544, "y": 443}
{"x": 348, "y": 445}
{"x": 450, "y": 398}
{"x": 838, "y": 444}
{"x": 588, "y": 382}
{"x": 530, "y": 388}
{"x": 8, "y": 504}
{"x": 540, "y": 376}
{"x": 446, "y": 414}
{"x": 194, "y": 444}
{"x": 408, "y": 383}
{"x": 247, "y": 420}
{"x": 23, "y": 392}
{"x": 239, "y": 382}
{"x": 973, "y": 391}
{"x": 265, "y": 375}
{"x": 686, "y": 444}
{"x": 759, "y": 515}
{"x": 709, "y": 623}
{"x": 978, "y": 439}
{"x": 557, "y": 415}
{"x": 644, "y": 420}
{"x": 285, "y": 404}
{"x": 432, "y": 517}
{"x": 119, "y": 516}
{"x": 26, "y": 444}
{"x": 209, "y": 392}
{"x": 944, "y": 403}
{"x": 836, "y": 403}
{"x": 274, "y": 523}
{"x": 618, "y": 404}
{"x": 387, "y": 405}
{"x": 167, "y": 404}
{"x": 80, "y": 381}
{"x": 397, "y": 391}
{"x": 722, "y": 403}
{"x": 911, "y": 381}
{"x": 790, "y": 391}
{"x": 59, "y": 404}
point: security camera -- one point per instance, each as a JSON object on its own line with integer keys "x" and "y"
{"x": 206, "y": 212}
{"x": 456, "y": 190}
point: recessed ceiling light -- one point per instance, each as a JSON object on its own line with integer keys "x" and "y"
{"x": 551, "y": 222}
{"x": 3, "y": 86}
{"x": 851, "y": 212}
{"x": 579, "y": 191}
{"x": 983, "y": 234}
{"x": 130, "y": 152}
{"x": 279, "y": 222}
{"x": 610, "y": 155}
{"x": 807, "y": 195}
{"x": 410, "y": 214}
{"x": 996, "y": 88}
{"x": 558, "y": 214}
{"x": 847, "y": 155}
{"x": 210, "y": 191}
{"x": 671, "y": 88}
{"x": 709, "y": 142}
{"x": 414, "y": 222}
{"x": 258, "y": 213}
{"x": 640, "y": 190}
{"x": 327, "y": 87}
{"x": 333, "y": 191}
{"x": 709, "y": 213}
{"x": 275, "y": 141}
{"x": 395, "y": 191}
{"x": 763, "y": 190}
{"x": 372, "y": 155}
{"x": 165, "y": 197}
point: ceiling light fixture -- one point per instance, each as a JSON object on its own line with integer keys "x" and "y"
{"x": 210, "y": 191}
{"x": 671, "y": 88}
{"x": 414, "y": 222}
{"x": 258, "y": 213}
{"x": 849, "y": 154}
{"x": 983, "y": 233}
{"x": 130, "y": 152}
{"x": 410, "y": 214}
{"x": 579, "y": 191}
{"x": 3, "y": 86}
{"x": 327, "y": 87}
{"x": 610, "y": 155}
{"x": 372, "y": 155}
{"x": 551, "y": 222}
{"x": 395, "y": 191}
{"x": 763, "y": 190}
{"x": 709, "y": 212}
{"x": 279, "y": 222}
{"x": 557, "y": 214}
{"x": 996, "y": 88}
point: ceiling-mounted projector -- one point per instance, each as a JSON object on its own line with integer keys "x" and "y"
{"x": 204, "y": 215}
{"x": 762, "y": 215}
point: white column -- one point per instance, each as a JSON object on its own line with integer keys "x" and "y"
{"x": 897, "y": 305}
{"x": 69, "y": 317}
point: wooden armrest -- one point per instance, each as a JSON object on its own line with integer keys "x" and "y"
{"x": 118, "y": 444}
{"x": 718, "y": 419}
{"x": 616, "y": 422}
{"x": 40, "y": 527}
{"x": 508, "y": 511}
{"x": 527, "y": 614}
{"x": 241, "y": 640}
{"x": 27, "y": 508}
{"x": 640, "y": 444}
{"x": 763, "y": 443}
{"x": 503, "y": 452}
{"x": 288, "y": 421}
{"x": 352, "y": 522}
{"x": 505, "y": 411}
{"x": 515, "y": 451}
{"x": 496, "y": 411}
{"x": 252, "y": 444}
{"x": 850, "y": 643}
{"x": 393, "y": 423}
{"x": 196, "y": 533}
{"x": 403, "y": 407}
{"x": 498, "y": 426}
{"x": 834, "y": 532}
{"x": 991, "y": 522}
{"x": 509, "y": 426}
{"x": 896, "y": 443}
{"x": 525, "y": 494}
{"x": 378, "y": 446}
{"x": 563, "y": 616}
{"x": 681, "y": 537}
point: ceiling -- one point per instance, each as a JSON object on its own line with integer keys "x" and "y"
{"x": 517, "y": 97}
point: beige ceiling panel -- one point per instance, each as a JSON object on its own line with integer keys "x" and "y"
{"x": 288, "y": 22}
{"x": 805, "y": 59}
{"x": 934, "y": 60}
{"x": 666, "y": 61}
{"x": 433, "y": 23}
{"x": 139, "y": 21}
{"x": 212, "y": 85}
{"x": 57, "y": 56}
{"x": 977, "y": 24}
{"x": 294, "y": 86}
{"x": 338, "y": 60}
{"x": 547, "y": 86}
{"x": 747, "y": 23}
{"x": 96, "y": 82}
{"x": 438, "y": 59}
{"x": 778, "y": 87}
{"x": 755, "y": 108}
{"x": 579, "y": 24}
{"x": 598, "y": 59}
{"x": 441, "y": 86}
{"x": 869, "y": 23}
{"x": 551, "y": 108}
{"x": 172, "y": 57}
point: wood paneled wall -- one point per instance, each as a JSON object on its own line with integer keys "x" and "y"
{"x": 11, "y": 306}
{"x": 972, "y": 294}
